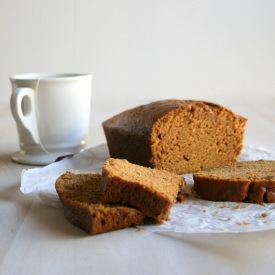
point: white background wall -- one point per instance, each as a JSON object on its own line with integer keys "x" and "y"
{"x": 143, "y": 50}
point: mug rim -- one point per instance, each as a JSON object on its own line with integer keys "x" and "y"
{"x": 49, "y": 76}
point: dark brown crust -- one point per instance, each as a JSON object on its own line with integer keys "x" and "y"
{"x": 128, "y": 134}
{"x": 135, "y": 148}
{"x": 250, "y": 187}
{"x": 96, "y": 221}
{"x": 261, "y": 192}
{"x": 140, "y": 120}
{"x": 84, "y": 208}
{"x": 222, "y": 190}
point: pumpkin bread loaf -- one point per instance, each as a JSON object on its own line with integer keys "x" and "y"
{"x": 250, "y": 181}
{"x": 180, "y": 136}
{"x": 151, "y": 191}
{"x": 81, "y": 195}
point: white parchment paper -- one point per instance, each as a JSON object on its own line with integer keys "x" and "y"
{"x": 194, "y": 215}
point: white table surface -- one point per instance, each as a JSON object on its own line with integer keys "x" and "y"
{"x": 36, "y": 238}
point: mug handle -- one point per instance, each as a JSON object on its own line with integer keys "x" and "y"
{"x": 23, "y": 110}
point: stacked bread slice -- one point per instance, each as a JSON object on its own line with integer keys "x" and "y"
{"x": 124, "y": 195}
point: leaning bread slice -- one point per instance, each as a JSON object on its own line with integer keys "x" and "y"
{"x": 81, "y": 196}
{"x": 151, "y": 191}
{"x": 250, "y": 181}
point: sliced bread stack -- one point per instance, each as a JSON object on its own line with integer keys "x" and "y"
{"x": 81, "y": 195}
{"x": 122, "y": 196}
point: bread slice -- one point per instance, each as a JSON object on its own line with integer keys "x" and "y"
{"x": 250, "y": 181}
{"x": 151, "y": 191}
{"x": 81, "y": 195}
{"x": 180, "y": 136}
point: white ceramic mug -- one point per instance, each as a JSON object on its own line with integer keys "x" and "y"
{"x": 52, "y": 113}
